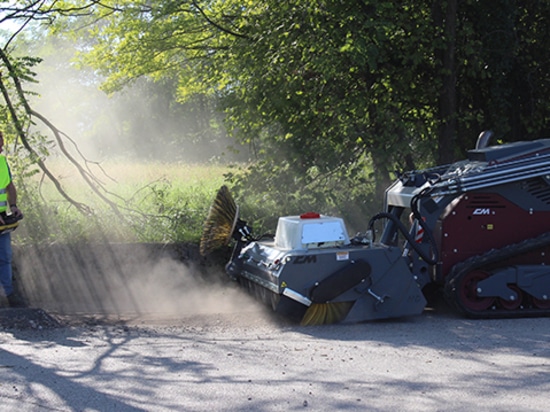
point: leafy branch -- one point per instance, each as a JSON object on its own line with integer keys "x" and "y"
{"x": 18, "y": 123}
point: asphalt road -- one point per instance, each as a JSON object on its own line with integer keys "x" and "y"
{"x": 247, "y": 360}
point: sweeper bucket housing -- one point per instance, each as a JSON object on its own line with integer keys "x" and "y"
{"x": 312, "y": 272}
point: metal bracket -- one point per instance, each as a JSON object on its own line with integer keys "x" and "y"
{"x": 379, "y": 299}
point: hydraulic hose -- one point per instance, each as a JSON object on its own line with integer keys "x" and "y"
{"x": 401, "y": 227}
{"x": 427, "y": 230}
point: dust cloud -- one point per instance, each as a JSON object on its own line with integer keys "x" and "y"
{"x": 143, "y": 121}
{"x": 117, "y": 279}
{"x": 126, "y": 280}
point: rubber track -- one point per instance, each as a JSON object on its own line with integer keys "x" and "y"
{"x": 493, "y": 256}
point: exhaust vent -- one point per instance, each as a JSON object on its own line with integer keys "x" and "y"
{"x": 484, "y": 201}
{"x": 539, "y": 189}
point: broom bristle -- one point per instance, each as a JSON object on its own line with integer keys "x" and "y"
{"x": 326, "y": 313}
{"x": 219, "y": 223}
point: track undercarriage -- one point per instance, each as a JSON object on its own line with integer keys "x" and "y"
{"x": 522, "y": 288}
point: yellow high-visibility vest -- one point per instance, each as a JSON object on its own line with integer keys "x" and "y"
{"x": 5, "y": 180}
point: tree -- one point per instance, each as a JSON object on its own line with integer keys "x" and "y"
{"x": 502, "y": 80}
{"x": 333, "y": 95}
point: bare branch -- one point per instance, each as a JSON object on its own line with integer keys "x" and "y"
{"x": 36, "y": 158}
{"x": 83, "y": 173}
{"x": 19, "y": 127}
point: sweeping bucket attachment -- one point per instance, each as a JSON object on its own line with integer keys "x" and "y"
{"x": 328, "y": 285}
{"x": 313, "y": 273}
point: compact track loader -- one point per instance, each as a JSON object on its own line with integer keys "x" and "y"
{"x": 478, "y": 229}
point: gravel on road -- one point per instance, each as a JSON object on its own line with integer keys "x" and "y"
{"x": 250, "y": 360}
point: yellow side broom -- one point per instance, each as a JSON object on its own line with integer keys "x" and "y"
{"x": 220, "y": 222}
{"x": 325, "y": 313}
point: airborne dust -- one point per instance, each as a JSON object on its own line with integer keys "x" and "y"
{"x": 133, "y": 280}
{"x": 128, "y": 281}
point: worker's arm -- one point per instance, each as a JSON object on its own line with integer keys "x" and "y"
{"x": 12, "y": 199}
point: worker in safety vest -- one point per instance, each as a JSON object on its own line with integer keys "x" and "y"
{"x": 8, "y": 205}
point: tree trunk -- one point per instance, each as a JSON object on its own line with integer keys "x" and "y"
{"x": 447, "y": 19}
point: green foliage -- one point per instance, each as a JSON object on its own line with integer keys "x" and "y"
{"x": 502, "y": 63}
{"x": 172, "y": 214}
{"x": 332, "y": 96}
{"x": 20, "y": 70}
{"x": 322, "y": 95}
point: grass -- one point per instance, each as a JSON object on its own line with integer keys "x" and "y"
{"x": 125, "y": 177}
{"x": 160, "y": 202}
{"x": 164, "y": 202}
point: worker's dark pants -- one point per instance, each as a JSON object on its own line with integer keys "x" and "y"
{"x": 5, "y": 263}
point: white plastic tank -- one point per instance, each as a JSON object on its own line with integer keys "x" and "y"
{"x": 310, "y": 231}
